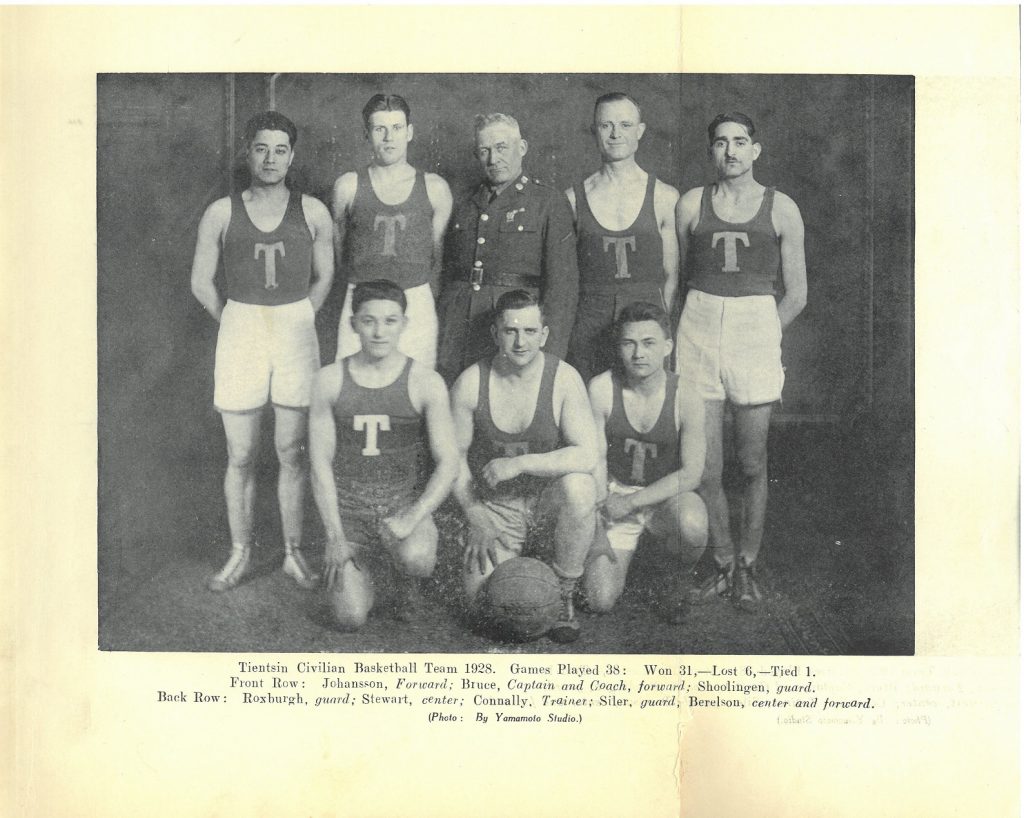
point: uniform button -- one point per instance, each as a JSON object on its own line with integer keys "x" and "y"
{"x": 484, "y": 217}
{"x": 481, "y": 240}
{"x": 525, "y": 179}
{"x": 518, "y": 186}
{"x": 478, "y": 264}
{"x": 476, "y": 287}
{"x": 457, "y": 225}
{"x": 520, "y": 228}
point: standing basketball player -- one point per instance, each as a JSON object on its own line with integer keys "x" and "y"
{"x": 626, "y": 242}
{"x": 276, "y": 247}
{"x": 366, "y": 434}
{"x": 738, "y": 236}
{"x": 391, "y": 220}
{"x": 650, "y": 444}
{"x": 526, "y": 437}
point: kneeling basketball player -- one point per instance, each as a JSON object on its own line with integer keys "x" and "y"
{"x": 370, "y": 416}
{"x": 650, "y": 435}
{"x": 527, "y": 442}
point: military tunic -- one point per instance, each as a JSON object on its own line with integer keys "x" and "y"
{"x": 523, "y": 239}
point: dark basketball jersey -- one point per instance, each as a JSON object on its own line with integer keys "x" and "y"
{"x": 268, "y": 268}
{"x": 490, "y": 442}
{"x": 611, "y": 258}
{"x": 636, "y": 459}
{"x": 379, "y": 435}
{"x": 734, "y": 258}
{"x": 389, "y": 241}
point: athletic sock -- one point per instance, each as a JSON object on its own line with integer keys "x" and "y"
{"x": 295, "y": 567}
{"x": 233, "y": 570}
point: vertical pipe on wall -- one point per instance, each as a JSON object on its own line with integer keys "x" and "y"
{"x": 869, "y": 335}
{"x": 272, "y": 91}
{"x": 229, "y": 129}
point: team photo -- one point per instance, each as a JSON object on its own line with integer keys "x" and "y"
{"x": 455, "y": 363}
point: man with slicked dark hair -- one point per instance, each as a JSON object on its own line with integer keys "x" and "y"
{"x": 738, "y": 238}
{"x": 390, "y": 222}
{"x": 275, "y": 245}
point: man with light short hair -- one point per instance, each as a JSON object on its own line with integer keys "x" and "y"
{"x": 626, "y": 244}
{"x": 275, "y": 245}
{"x": 512, "y": 233}
{"x": 738, "y": 237}
{"x": 390, "y": 221}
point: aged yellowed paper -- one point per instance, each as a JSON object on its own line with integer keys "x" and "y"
{"x": 86, "y": 735}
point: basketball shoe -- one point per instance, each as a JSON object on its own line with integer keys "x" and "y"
{"x": 746, "y": 594}
{"x": 567, "y": 628}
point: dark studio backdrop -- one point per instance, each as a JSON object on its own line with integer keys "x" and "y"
{"x": 169, "y": 144}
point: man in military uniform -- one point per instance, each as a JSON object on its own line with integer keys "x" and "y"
{"x": 512, "y": 233}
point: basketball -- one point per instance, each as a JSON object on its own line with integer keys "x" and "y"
{"x": 521, "y": 599}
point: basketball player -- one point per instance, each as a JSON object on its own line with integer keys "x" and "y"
{"x": 391, "y": 220}
{"x": 650, "y": 443}
{"x": 526, "y": 437}
{"x": 512, "y": 233}
{"x": 372, "y": 411}
{"x": 737, "y": 236}
{"x": 275, "y": 244}
{"x": 626, "y": 242}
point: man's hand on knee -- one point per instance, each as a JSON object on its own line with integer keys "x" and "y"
{"x": 336, "y": 556}
{"x": 482, "y": 543}
{"x": 616, "y": 506}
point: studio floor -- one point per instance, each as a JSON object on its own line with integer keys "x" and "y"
{"x": 837, "y": 566}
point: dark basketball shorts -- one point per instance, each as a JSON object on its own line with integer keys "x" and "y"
{"x": 364, "y": 509}
{"x": 517, "y": 517}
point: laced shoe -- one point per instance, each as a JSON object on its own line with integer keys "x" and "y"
{"x": 746, "y": 593}
{"x": 295, "y": 566}
{"x": 567, "y": 628}
{"x": 232, "y": 572}
{"x": 710, "y": 581}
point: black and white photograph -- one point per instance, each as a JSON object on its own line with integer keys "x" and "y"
{"x": 526, "y": 363}
{"x": 502, "y": 410}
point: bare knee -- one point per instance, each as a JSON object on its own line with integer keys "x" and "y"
{"x": 682, "y": 524}
{"x": 602, "y": 586}
{"x": 350, "y": 613}
{"x": 416, "y": 555}
{"x": 693, "y": 521}
{"x": 241, "y": 458}
{"x": 576, "y": 495}
{"x": 753, "y": 462}
{"x": 289, "y": 453}
{"x": 416, "y": 560}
